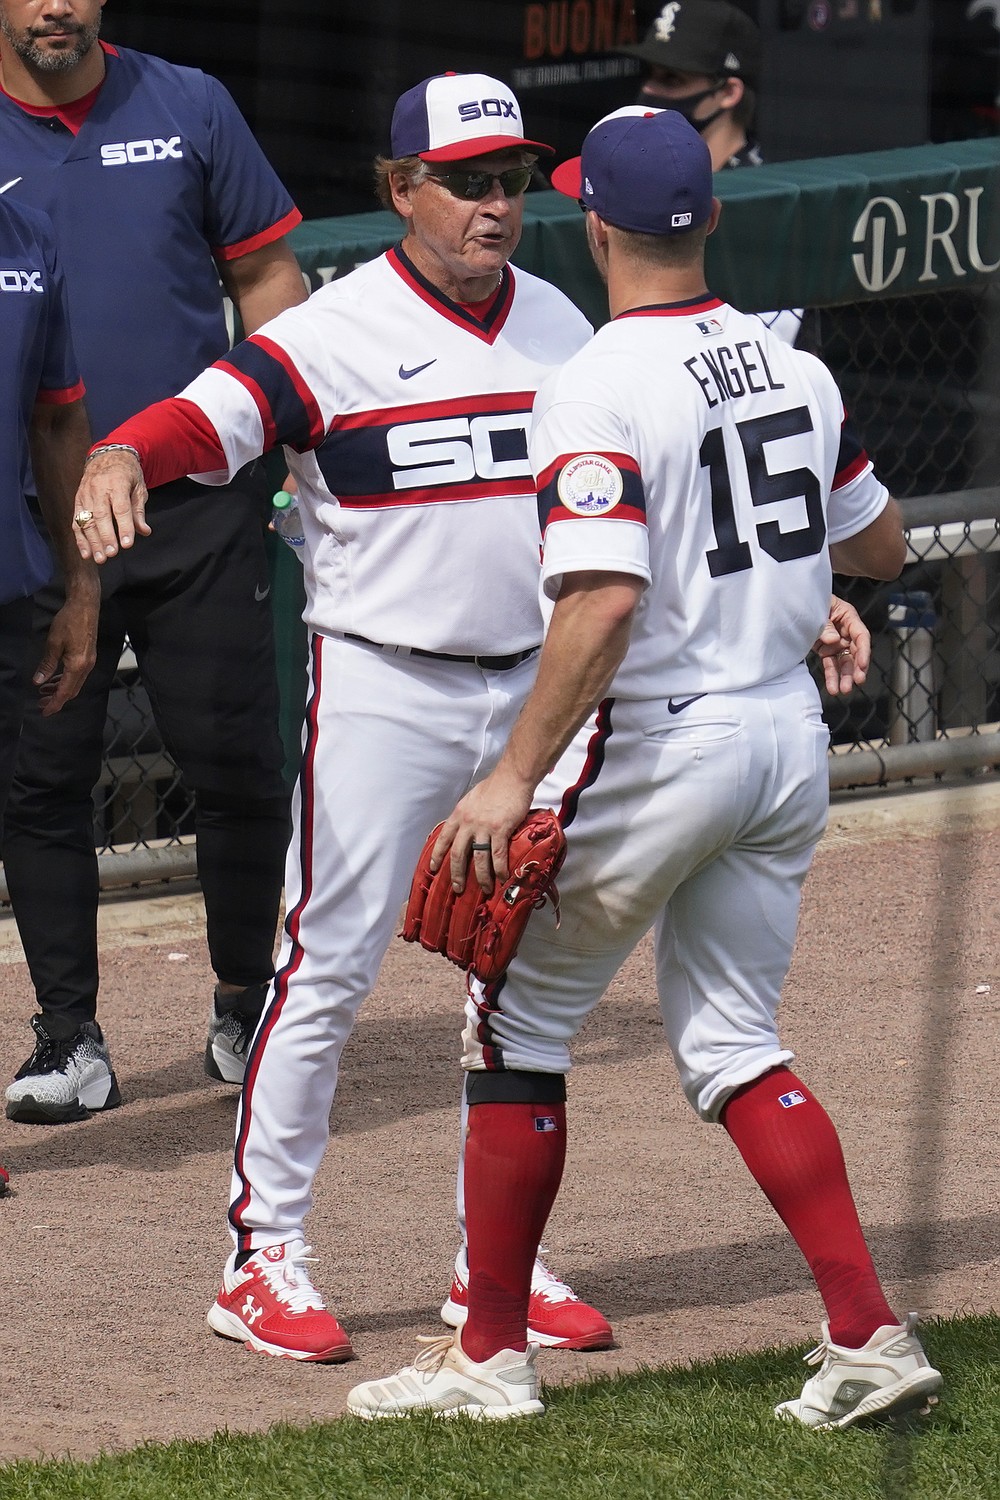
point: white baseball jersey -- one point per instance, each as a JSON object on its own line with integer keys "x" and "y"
{"x": 688, "y": 446}
{"x": 405, "y": 418}
{"x": 405, "y": 423}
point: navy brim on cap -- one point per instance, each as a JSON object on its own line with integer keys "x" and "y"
{"x": 456, "y": 116}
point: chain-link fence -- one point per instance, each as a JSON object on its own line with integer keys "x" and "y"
{"x": 921, "y": 377}
{"x": 140, "y": 798}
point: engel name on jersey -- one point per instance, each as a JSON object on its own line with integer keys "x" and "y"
{"x": 405, "y": 422}
{"x": 689, "y": 447}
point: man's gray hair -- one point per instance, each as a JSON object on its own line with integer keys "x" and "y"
{"x": 411, "y": 167}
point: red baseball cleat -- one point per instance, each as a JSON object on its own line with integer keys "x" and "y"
{"x": 270, "y": 1305}
{"x": 4, "y": 1179}
{"x": 557, "y": 1319}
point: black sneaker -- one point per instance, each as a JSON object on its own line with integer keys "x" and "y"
{"x": 64, "y": 1079}
{"x": 230, "y": 1031}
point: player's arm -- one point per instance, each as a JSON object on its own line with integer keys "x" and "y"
{"x": 240, "y": 408}
{"x": 879, "y": 551}
{"x": 586, "y": 642}
{"x": 844, "y": 648}
{"x": 59, "y": 436}
{"x": 263, "y": 283}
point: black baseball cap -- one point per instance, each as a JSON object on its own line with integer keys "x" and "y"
{"x": 702, "y": 36}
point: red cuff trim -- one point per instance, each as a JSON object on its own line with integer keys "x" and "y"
{"x": 851, "y": 471}
{"x": 257, "y": 241}
{"x": 172, "y": 438}
{"x": 61, "y": 397}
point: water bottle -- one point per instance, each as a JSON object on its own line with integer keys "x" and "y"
{"x": 287, "y": 521}
{"x": 912, "y": 697}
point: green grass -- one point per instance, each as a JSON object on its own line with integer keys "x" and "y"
{"x": 704, "y": 1433}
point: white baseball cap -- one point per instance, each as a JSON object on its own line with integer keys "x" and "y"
{"x": 457, "y": 115}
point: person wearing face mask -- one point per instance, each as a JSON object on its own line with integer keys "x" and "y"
{"x": 702, "y": 58}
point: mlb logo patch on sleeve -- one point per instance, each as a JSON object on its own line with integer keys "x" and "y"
{"x": 545, "y": 1123}
{"x": 788, "y": 1100}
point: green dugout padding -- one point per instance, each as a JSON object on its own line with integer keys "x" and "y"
{"x": 808, "y": 233}
{"x": 795, "y": 234}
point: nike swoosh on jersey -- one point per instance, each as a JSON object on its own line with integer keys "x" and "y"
{"x": 675, "y": 707}
{"x": 409, "y": 374}
{"x": 12, "y": 183}
{"x": 260, "y": 594}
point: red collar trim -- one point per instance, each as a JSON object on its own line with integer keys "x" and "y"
{"x": 486, "y": 327}
{"x": 75, "y": 111}
{"x": 673, "y": 309}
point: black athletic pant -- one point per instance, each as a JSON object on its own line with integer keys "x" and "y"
{"x": 15, "y": 674}
{"x": 192, "y": 598}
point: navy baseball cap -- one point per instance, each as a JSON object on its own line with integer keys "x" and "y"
{"x": 457, "y": 115}
{"x": 642, "y": 169}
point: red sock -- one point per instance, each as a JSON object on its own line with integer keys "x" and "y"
{"x": 788, "y": 1141}
{"x": 513, "y": 1166}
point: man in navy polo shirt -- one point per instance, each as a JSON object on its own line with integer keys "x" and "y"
{"x": 41, "y": 409}
{"x": 156, "y": 188}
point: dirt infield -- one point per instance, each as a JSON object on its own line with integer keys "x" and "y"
{"x": 114, "y": 1230}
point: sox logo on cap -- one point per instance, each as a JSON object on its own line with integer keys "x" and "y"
{"x": 458, "y": 115}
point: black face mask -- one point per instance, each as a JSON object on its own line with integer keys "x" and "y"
{"x": 686, "y": 106}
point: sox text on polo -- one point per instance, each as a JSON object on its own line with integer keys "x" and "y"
{"x": 38, "y": 365}
{"x": 163, "y": 175}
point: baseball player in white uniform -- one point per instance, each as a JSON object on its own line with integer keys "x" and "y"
{"x": 696, "y": 480}
{"x": 403, "y": 395}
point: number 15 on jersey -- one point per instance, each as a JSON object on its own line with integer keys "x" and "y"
{"x": 732, "y": 553}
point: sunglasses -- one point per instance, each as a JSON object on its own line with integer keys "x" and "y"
{"x": 478, "y": 185}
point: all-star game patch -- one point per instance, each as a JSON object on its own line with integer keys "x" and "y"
{"x": 590, "y": 485}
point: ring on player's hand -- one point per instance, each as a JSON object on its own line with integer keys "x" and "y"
{"x": 83, "y": 518}
{"x": 481, "y": 848}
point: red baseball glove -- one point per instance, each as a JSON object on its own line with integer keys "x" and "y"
{"x": 477, "y": 931}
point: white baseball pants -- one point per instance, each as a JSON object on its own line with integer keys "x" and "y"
{"x": 390, "y": 744}
{"x": 700, "y": 823}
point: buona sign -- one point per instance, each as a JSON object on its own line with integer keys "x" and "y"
{"x": 942, "y": 231}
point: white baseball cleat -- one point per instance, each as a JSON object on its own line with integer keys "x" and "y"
{"x": 444, "y": 1381}
{"x": 891, "y": 1373}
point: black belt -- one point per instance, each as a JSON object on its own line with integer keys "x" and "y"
{"x": 487, "y": 663}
